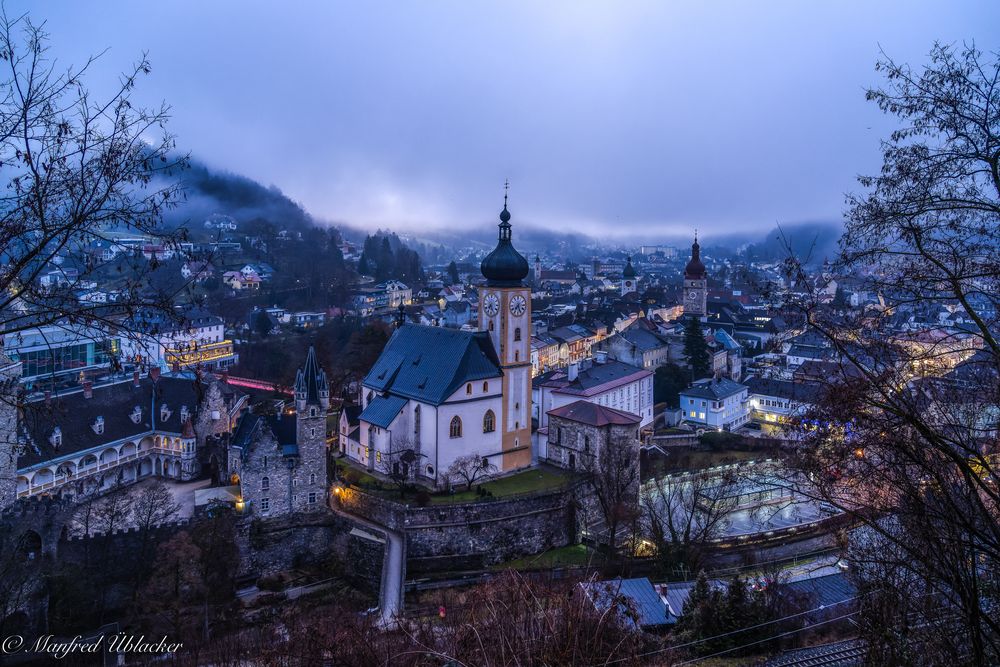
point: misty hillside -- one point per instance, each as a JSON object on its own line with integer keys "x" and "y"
{"x": 210, "y": 191}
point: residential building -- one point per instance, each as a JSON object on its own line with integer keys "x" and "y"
{"x": 608, "y": 383}
{"x": 716, "y": 403}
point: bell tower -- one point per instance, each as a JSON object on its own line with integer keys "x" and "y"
{"x": 695, "y": 284}
{"x": 505, "y": 314}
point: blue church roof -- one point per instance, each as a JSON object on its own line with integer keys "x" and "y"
{"x": 429, "y": 364}
{"x": 382, "y": 410}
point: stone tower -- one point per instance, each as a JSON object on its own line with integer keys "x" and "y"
{"x": 695, "y": 284}
{"x": 505, "y": 313}
{"x": 10, "y": 374}
{"x": 312, "y": 399}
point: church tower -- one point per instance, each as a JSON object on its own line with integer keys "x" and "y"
{"x": 629, "y": 283}
{"x": 695, "y": 284}
{"x": 505, "y": 313}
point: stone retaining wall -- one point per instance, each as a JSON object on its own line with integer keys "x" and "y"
{"x": 478, "y": 534}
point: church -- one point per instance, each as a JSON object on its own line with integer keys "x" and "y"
{"x": 436, "y": 394}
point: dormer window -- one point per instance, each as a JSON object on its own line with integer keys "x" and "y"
{"x": 56, "y": 438}
{"x": 136, "y": 415}
{"x": 164, "y": 412}
{"x": 184, "y": 413}
{"x": 98, "y": 425}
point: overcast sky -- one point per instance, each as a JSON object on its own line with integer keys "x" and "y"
{"x": 607, "y": 117}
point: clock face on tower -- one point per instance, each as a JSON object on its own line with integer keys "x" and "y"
{"x": 491, "y": 304}
{"x": 692, "y": 295}
{"x": 518, "y": 305}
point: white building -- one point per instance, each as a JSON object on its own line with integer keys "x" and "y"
{"x": 612, "y": 384}
{"x": 716, "y": 403}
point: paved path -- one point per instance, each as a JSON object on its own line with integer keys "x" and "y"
{"x": 390, "y": 606}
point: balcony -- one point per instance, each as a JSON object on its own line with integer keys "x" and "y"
{"x": 206, "y": 353}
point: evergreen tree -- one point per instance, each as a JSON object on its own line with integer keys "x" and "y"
{"x": 668, "y": 381}
{"x": 453, "y": 273}
{"x": 696, "y": 349}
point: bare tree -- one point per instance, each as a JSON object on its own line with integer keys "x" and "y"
{"x": 685, "y": 513}
{"x": 78, "y": 172}
{"x": 469, "y": 469}
{"x": 613, "y": 475}
{"x": 152, "y": 505}
{"x": 907, "y": 436}
{"x": 399, "y": 462}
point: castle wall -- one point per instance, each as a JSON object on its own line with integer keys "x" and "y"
{"x": 478, "y": 534}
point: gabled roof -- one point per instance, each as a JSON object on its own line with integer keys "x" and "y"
{"x": 593, "y": 414}
{"x": 429, "y": 364}
{"x": 282, "y": 428}
{"x": 382, "y": 410}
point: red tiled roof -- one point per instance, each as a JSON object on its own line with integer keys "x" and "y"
{"x": 593, "y": 414}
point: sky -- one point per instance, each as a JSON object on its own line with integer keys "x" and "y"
{"x": 609, "y": 118}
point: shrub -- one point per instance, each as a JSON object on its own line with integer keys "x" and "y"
{"x": 422, "y": 498}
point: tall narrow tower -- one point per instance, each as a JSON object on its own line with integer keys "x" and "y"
{"x": 312, "y": 399}
{"x": 695, "y": 284}
{"x": 505, "y": 313}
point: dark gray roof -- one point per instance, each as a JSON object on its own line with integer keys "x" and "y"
{"x": 802, "y": 392}
{"x": 382, "y": 410}
{"x": 715, "y": 389}
{"x": 430, "y": 363}
{"x": 75, "y": 414}
{"x": 599, "y": 377}
{"x": 636, "y": 601}
{"x": 810, "y": 352}
{"x": 281, "y": 427}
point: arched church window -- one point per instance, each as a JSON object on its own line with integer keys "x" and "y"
{"x": 468, "y": 388}
{"x": 486, "y": 386}
{"x": 489, "y": 422}
{"x": 455, "y": 430}
{"x": 265, "y": 483}
{"x": 517, "y": 333}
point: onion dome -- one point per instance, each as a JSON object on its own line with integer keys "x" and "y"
{"x": 695, "y": 270}
{"x": 505, "y": 266}
{"x": 629, "y": 271}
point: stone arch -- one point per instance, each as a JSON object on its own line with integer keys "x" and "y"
{"x": 42, "y": 476}
{"x": 29, "y": 545}
{"x": 23, "y": 483}
{"x": 158, "y": 467}
{"x": 146, "y": 444}
{"x": 127, "y": 449}
{"x": 145, "y": 467}
{"x": 88, "y": 460}
{"x": 66, "y": 469}
{"x": 109, "y": 455}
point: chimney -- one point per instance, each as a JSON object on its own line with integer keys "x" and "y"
{"x": 574, "y": 370}
{"x": 154, "y": 373}
{"x": 135, "y": 378}
{"x": 600, "y": 356}
{"x": 88, "y": 389}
